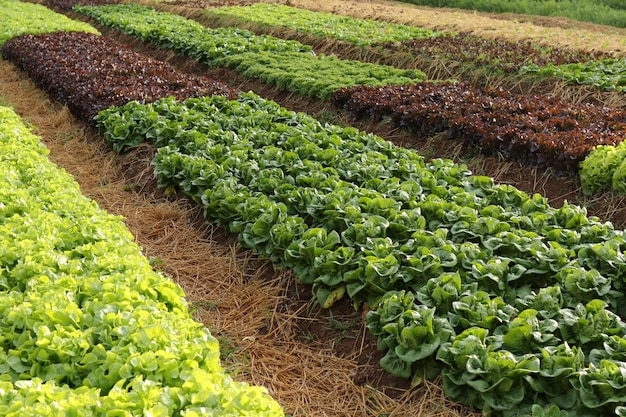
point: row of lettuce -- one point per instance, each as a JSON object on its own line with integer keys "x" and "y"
{"x": 535, "y": 130}
{"x": 87, "y": 327}
{"x": 516, "y": 303}
{"x": 90, "y": 72}
{"x": 538, "y": 130}
{"x": 289, "y": 65}
{"x": 18, "y": 18}
{"x": 361, "y": 32}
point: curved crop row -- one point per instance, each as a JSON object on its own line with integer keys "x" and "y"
{"x": 186, "y": 36}
{"x": 88, "y": 328}
{"x": 286, "y": 64}
{"x": 513, "y": 299}
{"x": 608, "y": 74}
{"x": 90, "y": 73}
{"x": 535, "y": 130}
{"x": 18, "y": 18}
{"x": 349, "y": 29}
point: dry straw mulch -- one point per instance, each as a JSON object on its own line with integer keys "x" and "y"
{"x": 246, "y": 303}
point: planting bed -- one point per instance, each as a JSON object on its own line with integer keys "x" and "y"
{"x": 534, "y": 130}
{"x": 91, "y": 72}
{"x": 88, "y": 327}
{"x": 460, "y": 273}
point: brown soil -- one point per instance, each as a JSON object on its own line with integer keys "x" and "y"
{"x": 315, "y": 362}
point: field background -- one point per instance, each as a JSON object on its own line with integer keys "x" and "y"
{"x": 314, "y": 362}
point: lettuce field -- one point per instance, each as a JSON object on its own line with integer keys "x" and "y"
{"x": 398, "y": 211}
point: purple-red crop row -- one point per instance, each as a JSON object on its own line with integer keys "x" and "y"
{"x": 496, "y": 54}
{"x": 91, "y": 73}
{"x": 68, "y": 4}
{"x": 532, "y": 129}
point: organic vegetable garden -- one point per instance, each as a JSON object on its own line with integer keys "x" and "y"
{"x": 509, "y": 301}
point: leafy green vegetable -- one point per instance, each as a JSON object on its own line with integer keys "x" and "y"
{"x": 86, "y": 326}
{"x": 411, "y": 333}
{"x": 510, "y": 298}
{"x": 608, "y": 74}
{"x": 349, "y": 29}
{"x": 288, "y": 65}
{"x": 599, "y": 167}
{"x": 184, "y": 35}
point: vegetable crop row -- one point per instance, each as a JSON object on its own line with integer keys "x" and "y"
{"x": 607, "y": 74}
{"x": 286, "y": 64}
{"x": 87, "y": 327}
{"x": 329, "y": 25}
{"x": 184, "y": 35}
{"x": 515, "y": 301}
{"x": 597, "y": 69}
{"x": 317, "y": 76}
{"x": 604, "y": 12}
{"x": 493, "y": 54}
{"x": 535, "y": 130}
{"x": 90, "y": 72}
{"x": 18, "y": 18}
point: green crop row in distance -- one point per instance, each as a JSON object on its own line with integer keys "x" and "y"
{"x": 286, "y": 64}
{"x": 317, "y": 76}
{"x": 18, "y": 18}
{"x": 604, "y": 12}
{"x": 608, "y": 74}
{"x": 345, "y": 28}
{"x": 186, "y": 36}
{"x": 514, "y": 301}
{"x": 87, "y": 327}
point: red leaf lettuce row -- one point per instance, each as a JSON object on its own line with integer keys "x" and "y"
{"x": 535, "y": 130}
{"x": 91, "y": 73}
